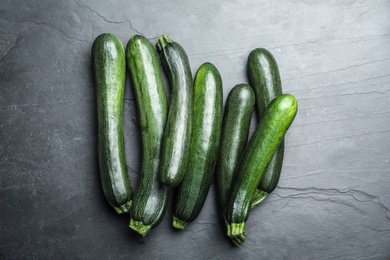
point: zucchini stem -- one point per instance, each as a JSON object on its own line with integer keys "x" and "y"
{"x": 239, "y": 239}
{"x": 139, "y": 227}
{"x": 258, "y": 197}
{"x": 162, "y": 42}
{"x": 236, "y": 229}
{"x": 179, "y": 224}
{"x": 125, "y": 208}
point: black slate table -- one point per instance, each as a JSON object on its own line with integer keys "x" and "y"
{"x": 333, "y": 198}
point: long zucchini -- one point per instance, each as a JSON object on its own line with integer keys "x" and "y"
{"x": 235, "y": 128}
{"x": 150, "y": 200}
{"x": 207, "y": 121}
{"x": 110, "y": 70}
{"x": 255, "y": 158}
{"x": 176, "y": 141}
{"x": 265, "y": 80}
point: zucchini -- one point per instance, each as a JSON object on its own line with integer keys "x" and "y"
{"x": 235, "y": 128}
{"x": 265, "y": 80}
{"x": 150, "y": 200}
{"x": 207, "y": 121}
{"x": 254, "y": 160}
{"x": 176, "y": 141}
{"x": 110, "y": 71}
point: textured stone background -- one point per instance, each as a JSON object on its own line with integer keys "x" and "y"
{"x": 333, "y": 198}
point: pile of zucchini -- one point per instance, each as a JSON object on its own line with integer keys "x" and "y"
{"x": 188, "y": 139}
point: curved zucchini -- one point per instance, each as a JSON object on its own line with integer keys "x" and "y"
{"x": 255, "y": 158}
{"x": 235, "y": 128}
{"x": 110, "y": 70}
{"x": 177, "y": 133}
{"x": 265, "y": 80}
{"x": 150, "y": 200}
{"x": 207, "y": 121}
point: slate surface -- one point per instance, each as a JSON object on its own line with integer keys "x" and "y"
{"x": 333, "y": 198}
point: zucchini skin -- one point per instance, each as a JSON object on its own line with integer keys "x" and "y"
{"x": 150, "y": 200}
{"x": 205, "y": 139}
{"x": 110, "y": 71}
{"x": 176, "y": 141}
{"x": 255, "y": 158}
{"x": 234, "y": 136}
{"x": 264, "y": 77}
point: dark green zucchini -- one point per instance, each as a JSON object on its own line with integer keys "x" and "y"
{"x": 235, "y": 128}
{"x": 254, "y": 160}
{"x": 265, "y": 80}
{"x": 207, "y": 121}
{"x": 176, "y": 141}
{"x": 110, "y": 70}
{"x": 150, "y": 200}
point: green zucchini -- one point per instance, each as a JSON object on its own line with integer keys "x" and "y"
{"x": 207, "y": 121}
{"x": 176, "y": 141}
{"x": 110, "y": 70}
{"x": 150, "y": 200}
{"x": 254, "y": 160}
{"x": 265, "y": 80}
{"x": 235, "y": 128}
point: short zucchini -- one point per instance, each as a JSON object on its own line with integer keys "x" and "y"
{"x": 150, "y": 200}
{"x": 110, "y": 69}
{"x": 255, "y": 158}
{"x": 176, "y": 141}
{"x": 235, "y": 128}
{"x": 263, "y": 73}
{"x": 207, "y": 121}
